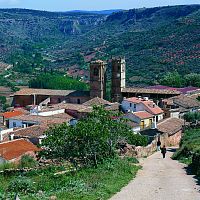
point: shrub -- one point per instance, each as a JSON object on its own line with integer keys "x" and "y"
{"x": 132, "y": 160}
{"x": 21, "y": 184}
{"x": 27, "y": 161}
{"x": 137, "y": 140}
{"x": 5, "y": 166}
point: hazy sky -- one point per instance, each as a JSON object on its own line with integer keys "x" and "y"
{"x": 64, "y": 5}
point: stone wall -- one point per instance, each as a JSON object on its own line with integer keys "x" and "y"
{"x": 166, "y": 140}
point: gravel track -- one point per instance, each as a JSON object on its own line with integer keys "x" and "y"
{"x": 161, "y": 179}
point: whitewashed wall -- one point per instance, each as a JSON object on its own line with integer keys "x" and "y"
{"x": 49, "y": 113}
{"x": 3, "y": 132}
{"x": 127, "y": 105}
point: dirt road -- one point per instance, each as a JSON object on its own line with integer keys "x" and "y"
{"x": 161, "y": 179}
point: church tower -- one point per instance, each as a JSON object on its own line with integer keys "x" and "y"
{"x": 118, "y": 78}
{"x": 98, "y": 79}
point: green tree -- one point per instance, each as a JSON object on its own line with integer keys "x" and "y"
{"x": 56, "y": 81}
{"x": 172, "y": 79}
{"x": 92, "y": 140}
{"x": 192, "y": 79}
{"x": 192, "y": 117}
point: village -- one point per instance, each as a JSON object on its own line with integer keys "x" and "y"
{"x": 156, "y": 112}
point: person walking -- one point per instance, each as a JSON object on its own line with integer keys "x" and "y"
{"x": 163, "y": 151}
{"x": 158, "y": 145}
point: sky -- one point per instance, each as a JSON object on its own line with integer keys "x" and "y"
{"x": 66, "y": 5}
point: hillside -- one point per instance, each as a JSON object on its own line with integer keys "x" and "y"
{"x": 153, "y": 40}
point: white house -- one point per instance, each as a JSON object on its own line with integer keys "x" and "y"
{"x": 136, "y": 104}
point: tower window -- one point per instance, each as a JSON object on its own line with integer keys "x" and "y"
{"x": 96, "y": 72}
{"x": 78, "y": 101}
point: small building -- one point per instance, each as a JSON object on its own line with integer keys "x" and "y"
{"x": 143, "y": 118}
{"x": 5, "y": 116}
{"x": 13, "y": 151}
{"x": 24, "y": 121}
{"x": 181, "y": 103}
{"x": 34, "y": 134}
{"x": 30, "y": 96}
{"x": 136, "y": 104}
{"x": 171, "y": 131}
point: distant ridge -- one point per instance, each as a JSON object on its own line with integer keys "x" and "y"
{"x": 102, "y": 12}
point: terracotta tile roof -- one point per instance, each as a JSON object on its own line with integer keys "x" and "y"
{"x": 16, "y": 148}
{"x": 43, "y": 120}
{"x": 150, "y": 106}
{"x": 12, "y": 114}
{"x": 96, "y": 101}
{"x": 150, "y": 91}
{"x": 135, "y": 100}
{"x": 63, "y": 116}
{"x": 78, "y": 107}
{"x": 30, "y": 132}
{"x": 170, "y": 125}
{"x": 143, "y": 115}
{"x": 67, "y": 106}
{"x": 113, "y": 107}
{"x": 48, "y": 92}
{"x": 184, "y": 90}
{"x": 186, "y": 102}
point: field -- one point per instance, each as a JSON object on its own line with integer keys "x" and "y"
{"x": 90, "y": 183}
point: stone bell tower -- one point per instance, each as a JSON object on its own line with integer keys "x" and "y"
{"x": 118, "y": 78}
{"x": 98, "y": 79}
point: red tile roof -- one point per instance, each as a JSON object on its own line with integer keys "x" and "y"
{"x": 135, "y": 100}
{"x": 150, "y": 106}
{"x": 16, "y": 148}
{"x": 143, "y": 115}
{"x": 150, "y": 91}
{"x": 171, "y": 125}
{"x": 12, "y": 114}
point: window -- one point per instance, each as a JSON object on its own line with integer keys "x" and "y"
{"x": 142, "y": 125}
{"x": 14, "y": 124}
{"x": 78, "y": 101}
{"x": 130, "y": 104}
{"x": 96, "y": 72}
{"x": 156, "y": 118}
{"x": 135, "y": 106}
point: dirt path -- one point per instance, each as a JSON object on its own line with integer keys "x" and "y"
{"x": 161, "y": 179}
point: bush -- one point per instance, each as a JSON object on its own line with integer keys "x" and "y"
{"x": 132, "y": 160}
{"x": 21, "y": 184}
{"x": 189, "y": 151}
{"x": 5, "y": 166}
{"x": 27, "y": 161}
{"x": 137, "y": 140}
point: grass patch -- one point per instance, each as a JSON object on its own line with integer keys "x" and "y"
{"x": 189, "y": 151}
{"x": 89, "y": 183}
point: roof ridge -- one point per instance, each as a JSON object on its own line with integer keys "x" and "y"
{"x": 13, "y": 141}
